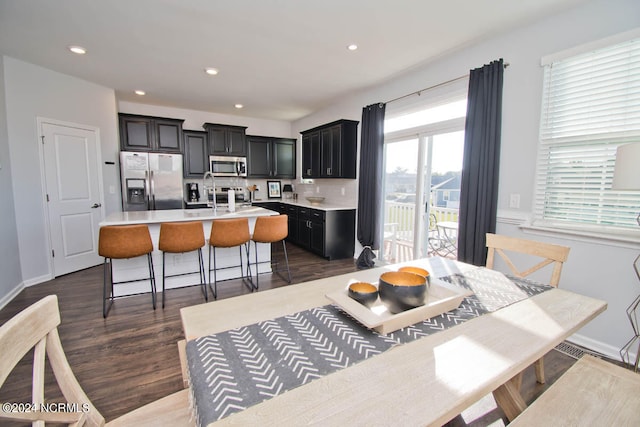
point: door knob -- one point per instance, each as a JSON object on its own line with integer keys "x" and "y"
{"x": 96, "y": 205}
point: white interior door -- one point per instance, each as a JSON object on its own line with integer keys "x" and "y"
{"x": 72, "y": 186}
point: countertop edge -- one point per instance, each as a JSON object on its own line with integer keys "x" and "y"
{"x": 321, "y": 207}
{"x": 181, "y": 215}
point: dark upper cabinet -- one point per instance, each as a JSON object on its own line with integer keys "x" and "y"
{"x": 226, "y": 140}
{"x": 271, "y": 157}
{"x": 329, "y": 151}
{"x": 284, "y": 158}
{"x": 311, "y": 155}
{"x": 196, "y": 154}
{"x": 259, "y": 157}
{"x": 147, "y": 133}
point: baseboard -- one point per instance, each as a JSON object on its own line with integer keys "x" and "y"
{"x": 37, "y": 280}
{"x": 11, "y": 295}
{"x": 597, "y": 346}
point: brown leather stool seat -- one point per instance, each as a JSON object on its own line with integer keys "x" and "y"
{"x": 229, "y": 233}
{"x": 122, "y": 242}
{"x": 271, "y": 229}
{"x": 181, "y": 237}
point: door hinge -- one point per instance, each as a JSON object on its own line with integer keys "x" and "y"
{"x": 42, "y": 138}
{"x": 47, "y": 197}
{"x": 53, "y": 253}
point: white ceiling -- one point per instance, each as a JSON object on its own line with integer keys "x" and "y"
{"x": 282, "y": 59}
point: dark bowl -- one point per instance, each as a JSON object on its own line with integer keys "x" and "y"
{"x": 400, "y": 290}
{"x": 417, "y": 270}
{"x": 365, "y": 293}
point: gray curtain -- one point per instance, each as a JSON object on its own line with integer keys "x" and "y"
{"x": 370, "y": 182}
{"x": 481, "y": 161}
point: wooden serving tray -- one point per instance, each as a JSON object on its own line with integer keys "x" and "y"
{"x": 441, "y": 297}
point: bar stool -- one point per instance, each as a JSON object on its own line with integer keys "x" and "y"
{"x": 181, "y": 237}
{"x": 271, "y": 229}
{"x": 229, "y": 233}
{"x": 122, "y": 242}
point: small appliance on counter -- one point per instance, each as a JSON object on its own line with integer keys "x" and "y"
{"x": 193, "y": 191}
{"x": 287, "y": 191}
{"x": 223, "y": 193}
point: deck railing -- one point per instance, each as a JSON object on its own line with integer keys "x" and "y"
{"x": 399, "y": 228}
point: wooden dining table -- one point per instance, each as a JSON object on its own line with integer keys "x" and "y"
{"x": 427, "y": 381}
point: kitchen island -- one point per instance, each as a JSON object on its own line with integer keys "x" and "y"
{"x": 326, "y": 229}
{"x": 136, "y": 268}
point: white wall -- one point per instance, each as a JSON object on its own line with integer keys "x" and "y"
{"x": 596, "y": 268}
{"x": 194, "y": 119}
{"x": 32, "y": 92}
{"x": 11, "y": 280}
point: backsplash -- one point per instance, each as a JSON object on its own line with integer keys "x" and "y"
{"x": 336, "y": 191}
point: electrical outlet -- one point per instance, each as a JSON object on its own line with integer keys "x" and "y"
{"x": 514, "y": 201}
{"x": 342, "y": 191}
{"x": 112, "y": 189}
{"x": 317, "y": 189}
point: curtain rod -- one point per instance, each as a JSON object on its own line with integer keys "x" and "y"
{"x": 418, "y": 92}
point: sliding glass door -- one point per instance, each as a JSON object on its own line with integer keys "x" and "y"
{"x": 424, "y": 141}
{"x": 421, "y": 194}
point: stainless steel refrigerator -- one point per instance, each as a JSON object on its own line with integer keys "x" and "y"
{"x": 151, "y": 181}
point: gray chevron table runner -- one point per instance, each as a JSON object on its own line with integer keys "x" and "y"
{"x": 233, "y": 370}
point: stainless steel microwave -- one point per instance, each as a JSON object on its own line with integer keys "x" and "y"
{"x": 228, "y": 166}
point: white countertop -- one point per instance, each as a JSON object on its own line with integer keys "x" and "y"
{"x": 177, "y": 215}
{"x": 324, "y": 206}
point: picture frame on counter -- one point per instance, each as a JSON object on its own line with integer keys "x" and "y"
{"x": 274, "y": 189}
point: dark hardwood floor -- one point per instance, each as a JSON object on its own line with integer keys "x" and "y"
{"x": 131, "y": 357}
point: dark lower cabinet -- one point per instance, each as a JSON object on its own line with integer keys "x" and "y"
{"x": 292, "y": 212}
{"x": 330, "y": 233}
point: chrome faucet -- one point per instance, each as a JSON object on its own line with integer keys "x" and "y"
{"x": 210, "y": 190}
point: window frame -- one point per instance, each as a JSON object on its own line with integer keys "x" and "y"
{"x": 607, "y": 141}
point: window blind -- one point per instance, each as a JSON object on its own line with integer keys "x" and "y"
{"x": 590, "y": 106}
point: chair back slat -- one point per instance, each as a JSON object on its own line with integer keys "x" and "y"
{"x": 21, "y": 333}
{"x": 551, "y": 254}
{"x": 36, "y": 327}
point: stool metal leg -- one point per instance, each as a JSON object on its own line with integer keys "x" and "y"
{"x": 246, "y": 279}
{"x": 214, "y": 289}
{"x": 257, "y": 284}
{"x": 286, "y": 259}
{"x": 152, "y": 280}
{"x": 203, "y": 277}
{"x": 105, "y": 308}
{"x": 163, "y": 288}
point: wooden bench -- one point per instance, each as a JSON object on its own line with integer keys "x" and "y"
{"x": 592, "y": 392}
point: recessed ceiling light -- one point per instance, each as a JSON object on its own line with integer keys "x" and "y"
{"x": 239, "y": 106}
{"x": 211, "y": 71}
{"x": 78, "y": 50}
{"x": 352, "y": 47}
{"x": 140, "y": 92}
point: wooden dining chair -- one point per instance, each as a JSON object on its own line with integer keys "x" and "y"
{"x": 36, "y": 327}
{"x": 544, "y": 254}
